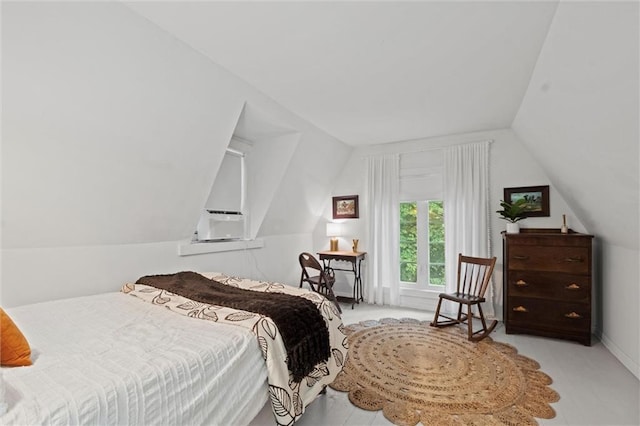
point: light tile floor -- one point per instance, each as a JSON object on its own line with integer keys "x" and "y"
{"x": 594, "y": 387}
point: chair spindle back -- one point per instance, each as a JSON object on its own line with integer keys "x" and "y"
{"x": 474, "y": 274}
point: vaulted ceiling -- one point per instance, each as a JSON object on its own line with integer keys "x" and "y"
{"x": 373, "y": 72}
{"x": 562, "y": 74}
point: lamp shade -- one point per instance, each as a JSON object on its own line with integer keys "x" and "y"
{"x": 333, "y": 229}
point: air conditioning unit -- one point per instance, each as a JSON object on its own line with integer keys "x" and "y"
{"x": 216, "y": 225}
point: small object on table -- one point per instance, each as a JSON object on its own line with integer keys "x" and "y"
{"x": 563, "y": 228}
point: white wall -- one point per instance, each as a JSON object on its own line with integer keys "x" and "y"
{"x": 48, "y": 273}
{"x": 112, "y": 131}
{"x": 112, "y": 134}
{"x": 319, "y": 162}
{"x": 511, "y": 166}
{"x": 580, "y": 119}
{"x": 106, "y": 121}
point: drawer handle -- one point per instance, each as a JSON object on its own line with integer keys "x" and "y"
{"x": 572, "y": 286}
{"x": 521, "y": 283}
{"x": 573, "y": 315}
{"x": 520, "y": 309}
{"x": 517, "y": 257}
{"x": 572, "y": 259}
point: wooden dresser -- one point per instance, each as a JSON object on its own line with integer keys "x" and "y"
{"x": 547, "y": 283}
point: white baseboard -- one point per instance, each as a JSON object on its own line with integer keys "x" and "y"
{"x": 629, "y": 363}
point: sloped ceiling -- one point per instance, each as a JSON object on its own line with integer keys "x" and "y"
{"x": 563, "y": 75}
{"x": 580, "y": 116}
{"x": 373, "y": 72}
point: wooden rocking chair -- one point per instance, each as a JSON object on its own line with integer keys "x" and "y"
{"x": 474, "y": 274}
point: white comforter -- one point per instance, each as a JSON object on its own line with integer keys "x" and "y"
{"x": 288, "y": 398}
{"x": 111, "y": 360}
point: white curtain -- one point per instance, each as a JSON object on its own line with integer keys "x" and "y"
{"x": 466, "y": 209}
{"x": 384, "y": 228}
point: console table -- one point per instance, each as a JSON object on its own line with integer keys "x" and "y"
{"x": 355, "y": 259}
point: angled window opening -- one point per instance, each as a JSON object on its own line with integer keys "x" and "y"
{"x": 225, "y": 212}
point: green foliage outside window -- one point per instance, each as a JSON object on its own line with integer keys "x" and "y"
{"x": 436, "y": 243}
{"x": 408, "y": 242}
{"x": 409, "y": 256}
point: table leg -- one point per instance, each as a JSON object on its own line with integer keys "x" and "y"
{"x": 356, "y": 281}
{"x": 356, "y": 269}
{"x": 326, "y": 264}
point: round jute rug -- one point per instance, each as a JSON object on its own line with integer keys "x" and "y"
{"x": 417, "y": 373}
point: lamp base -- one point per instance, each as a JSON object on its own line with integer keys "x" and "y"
{"x": 334, "y": 244}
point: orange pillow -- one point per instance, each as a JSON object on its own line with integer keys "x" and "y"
{"x": 14, "y": 348}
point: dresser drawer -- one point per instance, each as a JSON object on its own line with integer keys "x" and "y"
{"x": 571, "y": 260}
{"x": 550, "y": 285}
{"x": 549, "y": 314}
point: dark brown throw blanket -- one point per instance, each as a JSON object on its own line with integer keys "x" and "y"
{"x": 303, "y": 329}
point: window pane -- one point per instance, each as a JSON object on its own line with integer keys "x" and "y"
{"x": 408, "y": 272}
{"x": 436, "y": 212}
{"x": 436, "y": 274}
{"x": 436, "y": 243}
{"x": 422, "y": 256}
{"x": 408, "y": 242}
{"x": 436, "y": 253}
{"x": 226, "y": 192}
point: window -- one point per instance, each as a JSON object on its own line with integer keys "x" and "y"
{"x": 223, "y": 216}
{"x": 227, "y": 193}
{"x": 422, "y": 220}
{"x": 422, "y": 244}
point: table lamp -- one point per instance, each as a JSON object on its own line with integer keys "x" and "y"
{"x": 333, "y": 231}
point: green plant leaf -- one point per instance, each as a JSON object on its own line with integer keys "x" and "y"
{"x": 513, "y": 212}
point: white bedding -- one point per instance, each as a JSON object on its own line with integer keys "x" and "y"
{"x": 288, "y": 398}
{"x": 109, "y": 359}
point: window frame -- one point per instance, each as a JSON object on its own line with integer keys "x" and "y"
{"x": 423, "y": 253}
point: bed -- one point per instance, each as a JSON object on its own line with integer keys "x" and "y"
{"x": 147, "y": 356}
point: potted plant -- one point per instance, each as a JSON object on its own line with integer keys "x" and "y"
{"x": 512, "y": 213}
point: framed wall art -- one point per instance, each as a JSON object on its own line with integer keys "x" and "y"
{"x": 345, "y": 207}
{"x": 536, "y": 197}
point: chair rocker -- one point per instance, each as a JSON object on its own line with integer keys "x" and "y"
{"x": 474, "y": 274}
{"x": 320, "y": 280}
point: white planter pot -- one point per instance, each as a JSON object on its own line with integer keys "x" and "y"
{"x": 513, "y": 228}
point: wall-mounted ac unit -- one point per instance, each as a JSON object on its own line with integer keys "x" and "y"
{"x": 216, "y": 225}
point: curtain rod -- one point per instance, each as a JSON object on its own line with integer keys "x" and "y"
{"x": 490, "y": 141}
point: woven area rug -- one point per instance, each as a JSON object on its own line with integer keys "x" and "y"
{"x": 417, "y": 373}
